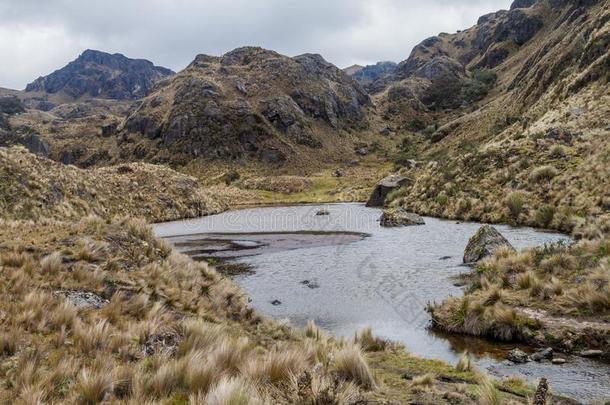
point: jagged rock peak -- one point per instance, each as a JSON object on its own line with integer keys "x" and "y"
{"x": 102, "y": 75}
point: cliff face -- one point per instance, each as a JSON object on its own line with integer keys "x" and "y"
{"x": 372, "y": 77}
{"x": 250, "y": 103}
{"x": 102, "y": 75}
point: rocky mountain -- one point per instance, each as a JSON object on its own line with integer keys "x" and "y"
{"x": 250, "y": 103}
{"x": 101, "y": 75}
{"x": 373, "y": 77}
{"x": 509, "y": 107}
{"x": 450, "y": 71}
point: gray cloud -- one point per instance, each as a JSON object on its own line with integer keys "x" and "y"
{"x": 39, "y": 36}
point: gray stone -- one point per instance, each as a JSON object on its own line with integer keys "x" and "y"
{"x": 558, "y": 360}
{"x": 591, "y": 353}
{"x": 517, "y": 356}
{"x": 400, "y": 217}
{"x": 385, "y": 186}
{"x": 82, "y": 299}
{"x": 484, "y": 243}
{"x": 544, "y": 354}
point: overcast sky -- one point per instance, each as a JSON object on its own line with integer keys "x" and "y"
{"x": 39, "y": 36}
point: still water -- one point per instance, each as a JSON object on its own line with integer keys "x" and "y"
{"x": 346, "y": 272}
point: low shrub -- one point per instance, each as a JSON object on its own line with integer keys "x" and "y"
{"x": 544, "y": 215}
{"x": 515, "y": 202}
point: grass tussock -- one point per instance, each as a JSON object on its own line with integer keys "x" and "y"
{"x": 351, "y": 365}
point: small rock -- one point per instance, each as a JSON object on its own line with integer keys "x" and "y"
{"x": 558, "y": 360}
{"x": 338, "y": 172}
{"x": 362, "y": 151}
{"x": 400, "y": 217}
{"x": 445, "y": 258}
{"x": 484, "y": 243}
{"x": 82, "y": 299}
{"x": 310, "y": 284}
{"x": 544, "y": 354}
{"x": 276, "y": 302}
{"x": 323, "y": 212}
{"x": 517, "y": 356}
{"x": 591, "y": 353}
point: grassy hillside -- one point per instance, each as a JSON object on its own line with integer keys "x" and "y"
{"x": 33, "y": 187}
{"x": 535, "y": 151}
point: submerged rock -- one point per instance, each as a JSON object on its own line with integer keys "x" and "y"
{"x": 517, "y": 356}
{"x": 276, "y": 302}
{"x": 323, "y": 212}
{"x": 383, "y": 188}
{"x": 400, "y": 217}
{"x": 310, "y": 284}
{"x": 484, "y": 243}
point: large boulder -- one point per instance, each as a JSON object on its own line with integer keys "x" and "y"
{"x": 385, "y": 186}
{"x": 400, "y": 217}
{"x": 484, "y": 243}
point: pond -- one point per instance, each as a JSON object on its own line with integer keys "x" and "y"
{"x": 346, "y": 272}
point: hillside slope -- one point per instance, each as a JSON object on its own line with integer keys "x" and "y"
{"x": 33, "y": 187}
{"x": 535, "y": 149}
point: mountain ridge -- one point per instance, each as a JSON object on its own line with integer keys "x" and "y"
{"x": 99, "y": 74}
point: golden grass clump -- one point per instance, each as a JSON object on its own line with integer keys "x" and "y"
{"x": 487, "y": 393}
{"x": 368, "y": 342}
{"x": 464, "y": 362}
{"x": 425, "y": 380}
{"x": 230, "y": 391}
{"x": 350, "y": 364}
{"x": 51, "y": 264}
{"x": 92, "y": 386}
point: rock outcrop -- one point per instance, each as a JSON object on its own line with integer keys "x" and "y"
{"x": 21, "y": 135}
{"x": 399, "y": 217}
{"x": 484, "y": 243}
{"x": 102, "y": 75}
{"x": 383, "y": 188}
{"x": 250, "y": 103}
{"x": 373, "y": 77}
{"x": 11, "y": 105}
{"x": 440, "y": 72}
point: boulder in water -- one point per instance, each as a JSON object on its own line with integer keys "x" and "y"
{"x": 400, "y": 217}
{"x": 544, "y": 354}
{"x": 383, "y": 188}
{"x": 517, "y": 356}
{"x": 484, "y": 243}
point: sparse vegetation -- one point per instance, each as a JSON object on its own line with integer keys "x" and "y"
{"x": 542, "y": 281}
{"x": 515, "y": 203}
